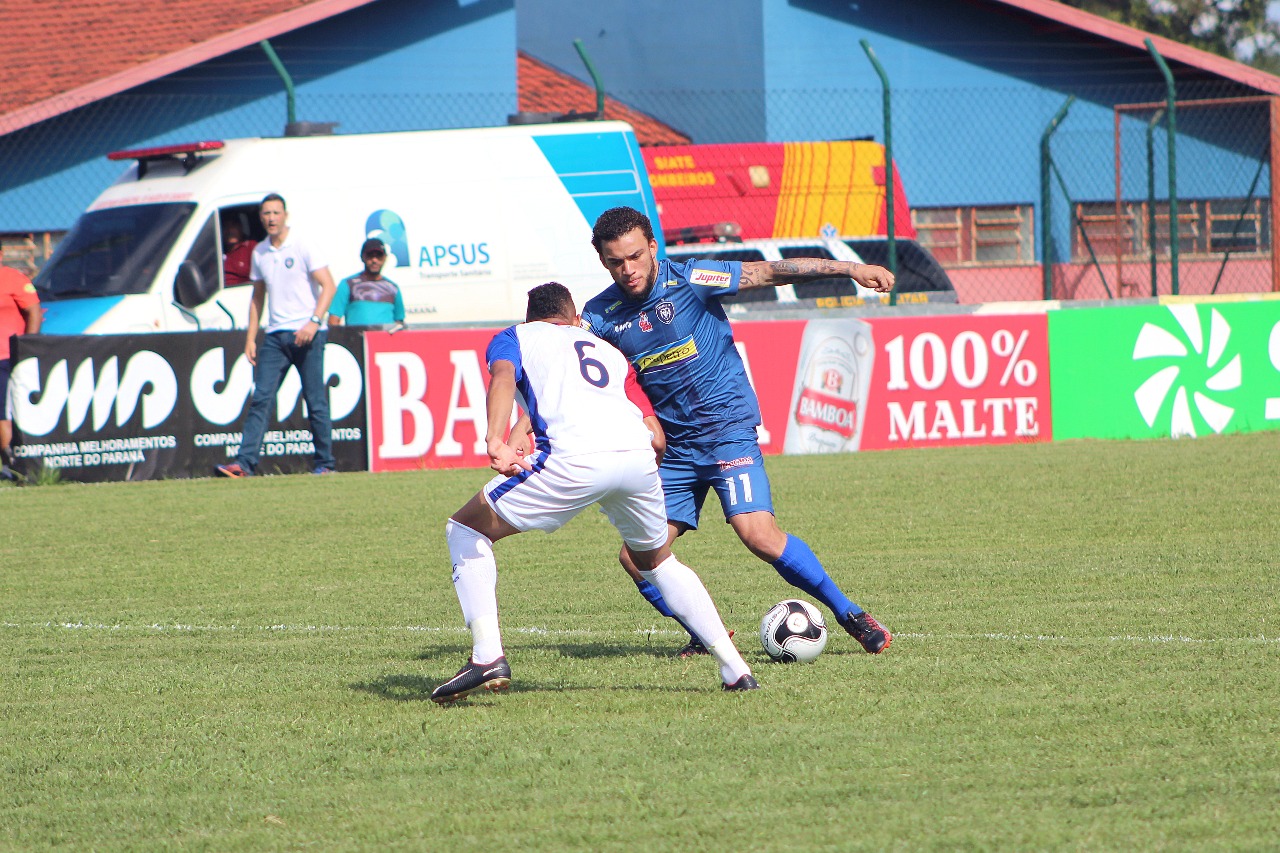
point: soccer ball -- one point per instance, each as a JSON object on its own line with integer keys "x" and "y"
{"x": 793, "y": 631}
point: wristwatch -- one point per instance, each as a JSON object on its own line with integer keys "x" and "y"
{"x": 315, "y": 319}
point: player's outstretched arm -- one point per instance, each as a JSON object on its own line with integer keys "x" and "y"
{"x": 799, "y": 270}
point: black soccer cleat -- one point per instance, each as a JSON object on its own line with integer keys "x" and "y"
{"x": 746, "y": 682}
{"x": 493, "y": 677}
{"x": 867, "y": 631}
{"x": 695, "y": 647}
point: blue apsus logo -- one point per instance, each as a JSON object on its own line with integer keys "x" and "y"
{"x": 388, "y": 227}
{"x": 453, "y": 255}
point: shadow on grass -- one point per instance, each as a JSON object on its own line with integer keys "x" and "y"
{"x": 577, "y": 651}
{"x": 417, "y": 688}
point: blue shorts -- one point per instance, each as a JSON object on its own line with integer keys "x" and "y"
{"x": 736, "y": 472}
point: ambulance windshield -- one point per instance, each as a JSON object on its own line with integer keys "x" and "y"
{"x": 112, "y": 252}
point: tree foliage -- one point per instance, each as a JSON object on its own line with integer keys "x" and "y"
{"x": 1237, "y": 29}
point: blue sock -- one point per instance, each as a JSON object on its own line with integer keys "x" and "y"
{"x": 651, "y": 595}
{"x": 799, "y": 567}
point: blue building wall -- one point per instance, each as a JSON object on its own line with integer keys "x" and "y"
{"x": 698, "y": 66}
{"x": 974, "y": 87}
{"x": 392, "y": 65}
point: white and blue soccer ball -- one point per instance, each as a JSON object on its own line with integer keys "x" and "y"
{"x": 793, "y": 631}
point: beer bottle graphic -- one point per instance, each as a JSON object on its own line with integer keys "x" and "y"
{"x": 833, "y": 378}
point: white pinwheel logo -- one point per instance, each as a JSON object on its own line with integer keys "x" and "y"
{"x": 1158, "y": 342}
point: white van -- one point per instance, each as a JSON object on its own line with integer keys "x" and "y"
{"x": 472, "y": 219}
{"x": 920, "y": 278}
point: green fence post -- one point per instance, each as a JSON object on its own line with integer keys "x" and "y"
{"x": 1151, "y": 195}
{"x": 595, "y": 78}
{"x": 889, "y": 194}
{"x": 1171, "y": 128}
{"x": 290, "y": 100}
{"x": 1046, "y": 197}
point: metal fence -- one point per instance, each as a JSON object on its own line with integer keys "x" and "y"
{"x": 1014, "y": 206}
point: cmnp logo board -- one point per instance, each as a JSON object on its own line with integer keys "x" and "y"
{"x": 139, "y": 407}
{"x": 1180, "y": 369}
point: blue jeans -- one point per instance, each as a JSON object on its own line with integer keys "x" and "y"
{"x": 276, "y": 355}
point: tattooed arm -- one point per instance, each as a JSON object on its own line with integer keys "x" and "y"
{"x": 796, "y": 270}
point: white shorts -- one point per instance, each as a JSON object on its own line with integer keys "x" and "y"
{"x": 625, "y": 484}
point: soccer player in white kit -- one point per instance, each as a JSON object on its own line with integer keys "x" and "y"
{"x": 590, "y": 446}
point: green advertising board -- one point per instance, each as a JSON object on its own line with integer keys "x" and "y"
{"x": 1171, "y": 370}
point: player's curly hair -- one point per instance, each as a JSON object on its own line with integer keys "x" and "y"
{"x": 548, "y": 300}
{"x": 615, "y": 222}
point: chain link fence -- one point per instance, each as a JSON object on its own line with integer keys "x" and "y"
{"x": 1013, "y": 208}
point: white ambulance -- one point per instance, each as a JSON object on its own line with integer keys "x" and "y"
{"x": 472, "y": 220}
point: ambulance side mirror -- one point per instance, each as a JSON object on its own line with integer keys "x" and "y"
{"x": 191, "y": 287}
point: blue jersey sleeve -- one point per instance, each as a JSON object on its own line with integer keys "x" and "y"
{"x": 505, "y": 346}
{"x": 710, "y": 279}
{"x": 341, "y": 296}
{"x": 591, "y": 320}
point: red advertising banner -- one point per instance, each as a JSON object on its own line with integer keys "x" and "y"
{"x": 425, "y": 392}
{"x": 825, "y": 386}
{"x": 769, "y": 351}
{"x": 953, "y": 380}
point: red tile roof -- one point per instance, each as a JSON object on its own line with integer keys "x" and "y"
{"x": 59, "y": 56}
{"x": 1075, "y": 19}
{"x": 546, "y": 89}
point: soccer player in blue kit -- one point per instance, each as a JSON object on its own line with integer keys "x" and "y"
{"x": 667, "y": 320}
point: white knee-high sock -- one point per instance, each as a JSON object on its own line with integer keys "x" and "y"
{"x": 692, "y": 604}
{"x": 475, "y": 580}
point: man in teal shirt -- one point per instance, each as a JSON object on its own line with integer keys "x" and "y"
{"x": 366, "y": 298}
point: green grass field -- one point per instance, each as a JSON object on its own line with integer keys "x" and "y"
{"x": 1086, "y": 656}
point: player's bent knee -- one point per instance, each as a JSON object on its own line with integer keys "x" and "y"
{"x": 646, "y": 560}
{"x": 628, "y": 564}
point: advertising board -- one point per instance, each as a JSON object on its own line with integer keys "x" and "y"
{"x": 1179, "y": 370}
{"x": 824, "y": 386}
{"x": 157, "y": 406}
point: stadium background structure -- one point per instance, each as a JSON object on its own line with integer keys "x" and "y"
{"x": 968, "y": 150}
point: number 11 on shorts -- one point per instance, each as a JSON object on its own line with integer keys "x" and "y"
{"x": 733, "y": 488}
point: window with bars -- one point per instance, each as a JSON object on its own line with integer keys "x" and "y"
{"x": 1205, "y": 227}
{"x": 990, "y": 235}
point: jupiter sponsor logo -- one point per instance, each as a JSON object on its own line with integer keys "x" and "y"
{"x": 730, "y": 464}
{"x": 711, "y": 278}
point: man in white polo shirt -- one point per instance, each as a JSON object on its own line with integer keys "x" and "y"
{"x": 295, "y": 284}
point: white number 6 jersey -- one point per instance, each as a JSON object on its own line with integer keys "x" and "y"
{"x": 572, "y": 385}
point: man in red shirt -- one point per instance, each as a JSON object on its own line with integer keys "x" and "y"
{"x": 237, "y": 253}
{"x": 19, "y": 315}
